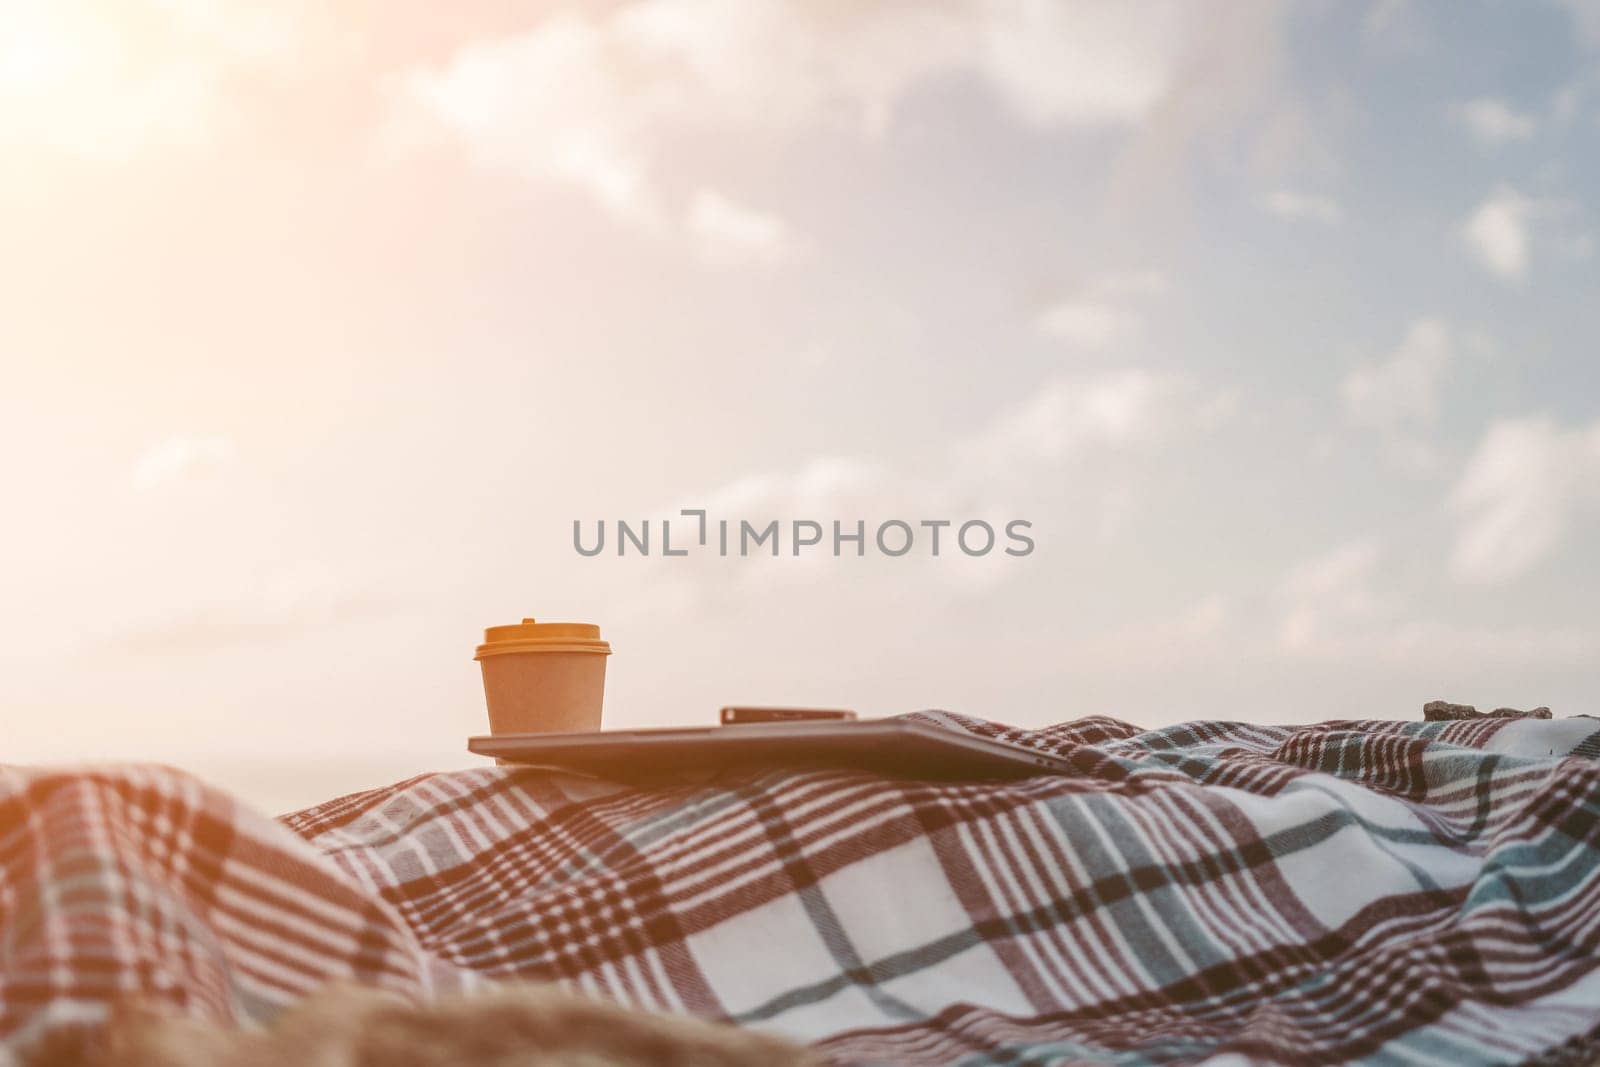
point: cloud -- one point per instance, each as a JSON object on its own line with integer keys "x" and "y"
{"x": 1496, "y": 233}
{"x": 1086, "y": 63}
{"x": 592, "y": 98}
{"x": 822, "y": 489}
{"x": 1086, "y": 323}
{"x": 1493, "y": 122}
{"x": 794, "y": 62}
{"x": 1405, "y": 387}
{"x": 1101, "y": 314}
{"x": 1345, "y": 606}
{"x": 1325, "y": 593}
{"x": 1071, "y": 415}
{"x": 180, "y": 458}
{"x": 1287, "y": 204}
{"x": 106, "y": 81}
{"x": 1342, "y": 573}
{"x": 1395, "y": 27}
{"x": 547, "y": 104}
{"x": 1521, "y": 492}
{"x": 280, "y": 604}
{"x": 727, "y": 233}
{"x": 1585, "y": 18}
{"x": 1067, "y": 418}
{"x": 1233, "y": 106}
{"x": 1072, "y": 418}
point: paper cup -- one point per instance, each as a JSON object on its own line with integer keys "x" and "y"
{"x": 543, "y": 677}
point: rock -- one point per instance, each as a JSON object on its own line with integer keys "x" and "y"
{"x": 1444, "y": 711}
{"x": 1513, "y": 713}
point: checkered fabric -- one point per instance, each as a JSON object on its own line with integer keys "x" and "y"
{"x": 1385, "y": 891}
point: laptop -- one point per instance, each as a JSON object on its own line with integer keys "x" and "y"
{"x": 902, "y": 748}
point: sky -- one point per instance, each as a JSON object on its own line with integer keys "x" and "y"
{"x": 323, "y": 322}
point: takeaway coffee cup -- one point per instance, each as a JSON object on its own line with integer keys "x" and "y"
{"x": 543, "y": 677}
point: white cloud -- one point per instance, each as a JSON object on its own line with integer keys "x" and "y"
{"x": 1287, "y": 204}
{"x": 106, "y": 81}
{"x": 1496, "y": 233}
{"x": 1586, "y": 19}
{"x": 1348, "y": 605}
{"x": 1076, "y": 62}
{"x": 1405, "y": 387}
{"x": 547, "y": 104}
{"x": 1493, "y": 122}
{"x": 1100, "y": 315}
{"x": 728, "y": 233}
{"x": 1069, "y": 415}
{"x": 1067, "y": 419}
{"x": 1394, "y": 26}
{"x": 1341, "y": 573}
{"x": 823, "y": 489}
{"x": 180, "y": 458}
{"x": 591, "y": 98}
{"x": 1086, "y": 323}
{"x": 1081, "y": 62}
{"x": 1524, "y": 487}
{"x": 1326, "y": 593}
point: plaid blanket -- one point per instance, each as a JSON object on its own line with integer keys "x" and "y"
{"x": 1395, "y": 892}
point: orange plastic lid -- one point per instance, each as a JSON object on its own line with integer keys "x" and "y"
{"x": 531, "y": 636}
